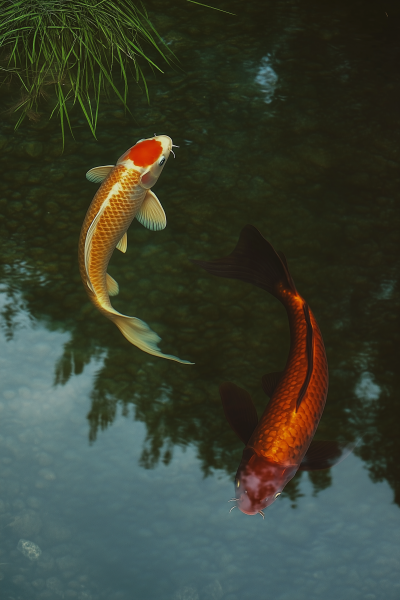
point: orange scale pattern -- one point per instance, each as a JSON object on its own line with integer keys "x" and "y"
{"x": 284, "y": 434}
{"x": 125, "y": 197}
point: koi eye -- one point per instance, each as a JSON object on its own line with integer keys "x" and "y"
{"x": 278, "y": 494}
{"x": 162, "y": 161}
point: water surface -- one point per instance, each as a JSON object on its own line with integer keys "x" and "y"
{"x": 119, "y": 465}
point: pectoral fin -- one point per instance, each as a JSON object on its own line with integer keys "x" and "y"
{"x": 98, "y": 174}
{"x": 112, "y": 285}
{"x": 325, "y": 454}
{"x": 270, "y": 381}
{"x": 123, "y": 243}
{"x": 151, "y": 213}
{"x": 239, "y": 410}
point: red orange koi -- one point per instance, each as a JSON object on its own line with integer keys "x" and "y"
{"x": 280, "y": 443}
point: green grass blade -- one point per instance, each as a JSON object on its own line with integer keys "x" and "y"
{"x": 90, "y": 46}
{"x": 213, "y": 7}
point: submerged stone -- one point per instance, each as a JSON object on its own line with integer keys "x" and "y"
{"x": 29, "y": 549}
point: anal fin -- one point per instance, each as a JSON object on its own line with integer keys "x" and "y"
{"x": 112, "y": 285}
{"x": 239, "y": 410}
{"x": 123, "y": 243}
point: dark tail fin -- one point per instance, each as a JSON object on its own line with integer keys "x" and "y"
{"x": 253, "y": 260}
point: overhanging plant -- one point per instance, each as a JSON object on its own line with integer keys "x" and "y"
{"x": 78, "y": 48}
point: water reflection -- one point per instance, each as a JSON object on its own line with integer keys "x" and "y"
{"x": 267, "y": 79}
{"x": 377, "y": 387}
{"x": 108, "y": 529}
{"x": 183, "y": 412}
{"x": 318, "y": 174}
{"x": 366, "y": 389}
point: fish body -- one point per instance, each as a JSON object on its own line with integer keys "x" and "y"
{"x": 290, "y": 419}
{"x": 276, "y": 445}
{"x": 125, "y": 193}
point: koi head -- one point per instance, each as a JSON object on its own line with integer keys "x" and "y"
{"x": 148, "y": 157}
{"x": 259, "y": 482}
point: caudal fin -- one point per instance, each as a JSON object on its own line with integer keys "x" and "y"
{"x": 139, "y": 334}
{"x": 253, "y": 260}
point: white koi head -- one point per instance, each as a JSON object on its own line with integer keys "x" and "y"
{"x": 148, "y": 157}
{"x": 259, "y": 482}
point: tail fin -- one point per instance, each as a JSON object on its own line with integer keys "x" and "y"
{"x": 253, "y": 260}
{"x": 139, "y": 334}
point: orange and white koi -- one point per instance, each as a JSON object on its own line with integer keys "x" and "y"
{"x": 125, "y": 193}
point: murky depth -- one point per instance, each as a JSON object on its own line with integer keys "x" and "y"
{"x": 118, "y": 466}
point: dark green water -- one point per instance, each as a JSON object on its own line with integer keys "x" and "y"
{"x": 119, "y": 465}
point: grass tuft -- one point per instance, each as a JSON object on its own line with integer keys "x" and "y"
{"x": 78, "y": 48}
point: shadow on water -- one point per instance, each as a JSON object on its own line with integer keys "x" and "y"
{"x": 321, "y": 187}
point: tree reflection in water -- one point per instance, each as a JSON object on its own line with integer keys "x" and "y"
{"x": 180, "y": 407}
{"x": 320, "y": 184}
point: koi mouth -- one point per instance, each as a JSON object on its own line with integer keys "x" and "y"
{"x": 246, "y": 512}
{"x": 251, "y": 513}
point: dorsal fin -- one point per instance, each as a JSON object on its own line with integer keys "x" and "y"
{"x": 310, "y": 355}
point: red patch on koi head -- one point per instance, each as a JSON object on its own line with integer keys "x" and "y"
{"x": 145, "y": 153}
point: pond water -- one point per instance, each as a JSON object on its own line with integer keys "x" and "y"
{"x": 118, "y": 465}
